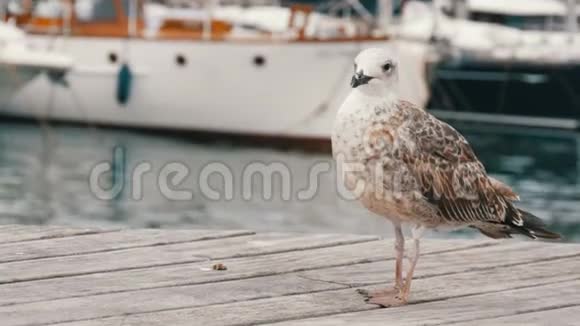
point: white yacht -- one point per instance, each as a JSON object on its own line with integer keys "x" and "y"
{"x": 259, "y": 70}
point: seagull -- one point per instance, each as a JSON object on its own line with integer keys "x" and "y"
{"x": 404, "y": 164}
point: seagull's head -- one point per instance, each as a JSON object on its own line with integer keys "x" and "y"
{"x": 375, "y": 69}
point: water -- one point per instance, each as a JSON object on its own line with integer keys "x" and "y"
{"x": 44, "y": 179}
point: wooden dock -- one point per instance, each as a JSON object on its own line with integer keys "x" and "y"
{"x": 88, "y": 277}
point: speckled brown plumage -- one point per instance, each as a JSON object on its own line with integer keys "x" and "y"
{"x": 431, "y": 175}
{"x": 415, "y": 168}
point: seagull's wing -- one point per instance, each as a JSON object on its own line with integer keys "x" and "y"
{"x": 449, "y": 174}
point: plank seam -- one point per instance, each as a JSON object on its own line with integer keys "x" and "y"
{"x": 478, "y": 269}
{"x": 521, "y": 287}
{"x": 474, "y": 269}
{"x": 188, "y": 307}
{"x": 517, "y": 313}
{"x": 308, "y": 278}
{"x": 355, "y": 262}
{"x": 275, "y": 320}
{"x": 158, "y": 244}
{"x": 59, "y": 236}
{"x": 370, "y": 307}
{"x": 362, "y": 261}
{"x": 202, "y": 258}
{"x": 321, "y": 246}
{"x": 428, "y": 301}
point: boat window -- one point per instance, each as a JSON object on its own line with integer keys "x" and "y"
{"x": 180, "y": 59}
{"x": 48, "y": 9}
{"x": 259, "y": 60}
{"x": 113, "y": 57}
{"x": 95, "y": 10}
{"x": 547, "y": 22}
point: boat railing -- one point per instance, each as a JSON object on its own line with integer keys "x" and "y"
{"x": 209, "y": 20}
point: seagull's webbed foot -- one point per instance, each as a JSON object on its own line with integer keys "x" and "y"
{"x": 390, "y": 297}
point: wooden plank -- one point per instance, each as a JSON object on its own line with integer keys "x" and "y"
{"x": 341, "y": 301}
{"x": 463, "y": 309}
{"x": 427, "y": 289}
{"x": 196, "y": 273}
{"x": 562, "y": 317}
{"x": 247, "y": 312}
{"x": 179, "y": 253}
{"x": 285, "y": 278}
{"x": 494, "y": 279}
{"x": 440, "y": 282}
{"x": 119, "y": 304}
{"x": 94, "y": 243}
{"x": 20, "y": 233}
{"x": 509, "y": 253}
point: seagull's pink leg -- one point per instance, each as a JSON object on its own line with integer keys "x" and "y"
{"x": 406, "y": 289}
{"x": 400, "y": 249}
{"x": 389, "y": 296}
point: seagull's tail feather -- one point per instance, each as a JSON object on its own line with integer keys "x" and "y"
{"x": 528, "y": 225}
{"x": 534, "y": 227}
{"x": 493, "y": 230}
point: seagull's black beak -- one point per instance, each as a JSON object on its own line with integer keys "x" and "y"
{"x": 359, "y": 79}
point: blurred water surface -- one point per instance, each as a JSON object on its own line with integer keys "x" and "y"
{"x": 44, "y": 179}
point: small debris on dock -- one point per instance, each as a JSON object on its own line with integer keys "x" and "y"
{"x": 219, "y": 267}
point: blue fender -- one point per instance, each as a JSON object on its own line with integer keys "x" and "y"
{"x": 124, "y": 84}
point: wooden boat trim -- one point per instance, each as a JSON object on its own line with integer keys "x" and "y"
{"x": 119, "y": 27}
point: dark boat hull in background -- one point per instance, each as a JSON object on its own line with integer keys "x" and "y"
{"x": 508, "y": 93}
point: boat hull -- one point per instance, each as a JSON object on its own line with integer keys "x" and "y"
{"x": 261, "y": 88}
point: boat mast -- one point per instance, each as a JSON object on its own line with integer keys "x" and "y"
{"x": 3, "y": 5}
{"x": 209, "y": 8}
{"x": 572, "y": 19}
{"x": 384, "y": 14}
{"x": 132, "y": 15}
{"x": 361, "y": 10}
{"x": 67, "y": 16}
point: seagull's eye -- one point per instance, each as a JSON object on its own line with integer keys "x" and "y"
{"x": 387, "y": 67}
